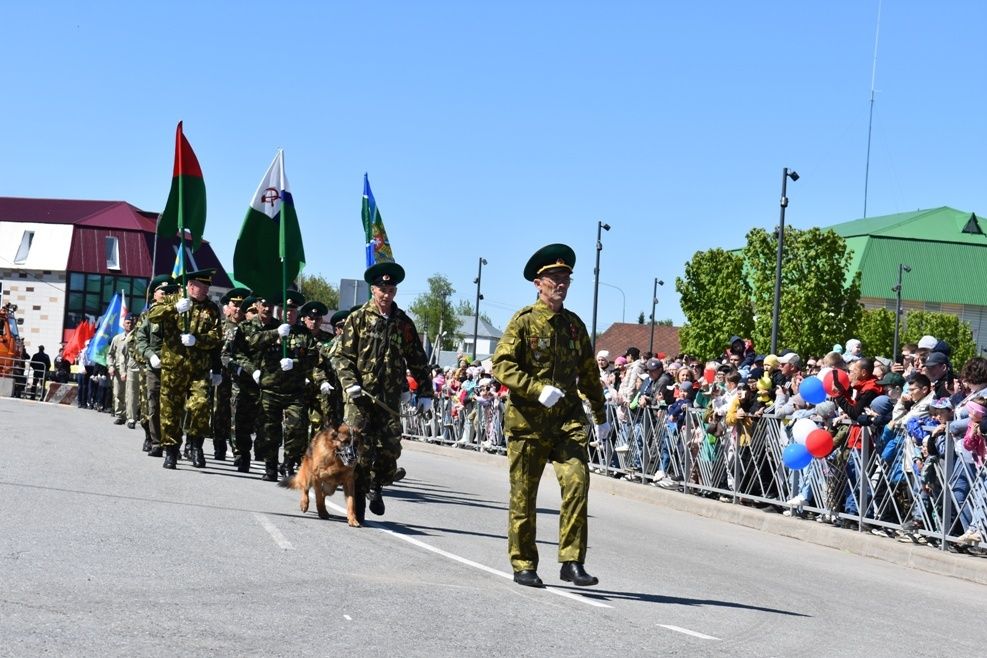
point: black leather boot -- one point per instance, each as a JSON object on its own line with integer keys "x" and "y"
{"x": 528, "y": 578}
{"x": 360, "y": 506}
{"x": 170, "y": 457}
{"x": 376, "y": 499}
{"x": 198, "y": 457}
{"x": 399, "y": 475}
{"x": 242, "y": 463}
{"x": 187, "y": 449}
{"x": 270, "y": 470}
{"x": 147, "y": 444}
{"x": 155, "y": 451}
{"x": 219, "y": 450}
{"x": 573, "y": 572}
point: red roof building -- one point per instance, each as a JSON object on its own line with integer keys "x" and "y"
{"x": 621, "y": 335}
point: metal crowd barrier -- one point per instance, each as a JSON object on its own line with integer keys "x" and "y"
{"x": 886, "y": 485}
{"x": 26, "y": 382}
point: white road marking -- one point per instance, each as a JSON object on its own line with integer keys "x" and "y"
{"x": 679, "y": 629}
{"x": 347, "y": 618}
{"x": 274, "y": 532}
{"x": 476, "y": 565}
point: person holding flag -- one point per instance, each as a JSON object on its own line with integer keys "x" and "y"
{"x": 147, "y": 352}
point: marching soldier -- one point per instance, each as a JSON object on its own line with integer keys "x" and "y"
{"x": 545, "y": 359}
{"x": 324, "y": 384}
{"x": 147, "y": 351}
{"x": 190, "y": 331}
{"x": 223, "y": 393}
{"x": 244, "y": 362}
{"x": 379, "y": 341}
{"x": 285, "y": 355}
{"x": 119, "y": 362}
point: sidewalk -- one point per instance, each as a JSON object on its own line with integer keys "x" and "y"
{"x": 924, "y": 558}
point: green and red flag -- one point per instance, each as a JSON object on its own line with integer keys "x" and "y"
{"x": 269, "y": 253}
{"x": 186, "y": 206}
{"x": 378, "y": 246}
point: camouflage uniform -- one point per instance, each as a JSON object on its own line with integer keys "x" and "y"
{"x": 373, "y": 353}
{"x": 185, "y": 370}
{"x": 147, "y": 341}
{"x": 326, "y": 410}
{"x": 538, "y": 348}
{"x": 283, "y": 393}
{"x": 245, "y": 397}
{"x": 222, "y": 415}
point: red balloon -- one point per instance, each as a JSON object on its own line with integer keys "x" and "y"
{"x": 709, "y": 374}
{"x": 819, "y": 443}
{"x": 828, "y": 382}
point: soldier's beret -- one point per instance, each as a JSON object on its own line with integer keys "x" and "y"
{"x": 550, "y": 257}
{"x": 295, "y": 299}
{"x": 202, "y": 276}
{"x": 313, "y": 309}
{"x": 339, "y": 317}
{"x": 379, "y": 274}
{"x": 236, "y": 295}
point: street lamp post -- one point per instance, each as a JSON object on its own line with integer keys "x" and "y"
{"x": 902, "y": 268}
{"x": 654, "y": 302}
{"x": 623, "y": 300}
{"x": 600, "y": 227}
{"x": 476, "y": 316}
{"x": 786, "y": 173}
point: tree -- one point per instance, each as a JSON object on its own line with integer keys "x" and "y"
{"x": 818, "y": 306}
{"x": 667, "y": 322}
{"x": 640, "y": 318}
{"x": 465, "y": 307}
{"x": 945, "y": 327}
{"x": 315, "y": 287}
{"x": 433, "y": 306}
{"x": 715, "y": 298}
{"x": 876, "y": 332}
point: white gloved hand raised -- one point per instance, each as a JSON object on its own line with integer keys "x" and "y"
{"x": 183, "y": 305}
{"x": 257, "y": 376}
{"x": 354, "y": 391}
{"x": 216, "y": 378}
{"x": 424, "y": 404}
{"x": 155, "y": 361}
{"x": 287, "y": 364}
{"x": 325, "y": 388}
{"x": 284, "y": 330}
{"x": 188, "y": 340}
{"x": 550, "y": 395}
{"x": 405, "y": 397}
{"x": 603, "y": 431}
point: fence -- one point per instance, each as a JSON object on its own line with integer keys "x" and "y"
{"x": 887, "y": 485}
{"x": 25, "y": 381}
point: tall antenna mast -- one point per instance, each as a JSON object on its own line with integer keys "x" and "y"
{"x": 870, "y": 121}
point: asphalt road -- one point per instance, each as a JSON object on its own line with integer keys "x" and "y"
{"x": 104, "y": 552}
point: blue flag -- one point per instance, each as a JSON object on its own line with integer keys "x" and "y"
{"x": 109, "y": 326}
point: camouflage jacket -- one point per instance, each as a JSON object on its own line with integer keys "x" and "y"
{"x": 226, "y": 349}
{"x": 203, "y": 323}
{"x": 242, "y": 359}
{"x": 375, "y": 351}
{"x": 302, "y": 350}
{"x": 539, "y": 348}
{"x": 322, "y": 368}
{"x": 146, "y": 338}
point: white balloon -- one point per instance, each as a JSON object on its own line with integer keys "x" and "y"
{"x": 822, "y": 374}
{"x": 801, "y": 429}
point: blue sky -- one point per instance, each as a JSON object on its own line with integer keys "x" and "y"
{"x": 491, "y": 129}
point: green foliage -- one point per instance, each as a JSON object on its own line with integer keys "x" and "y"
{"x": 818, "y": 308}
{"x": 715, "y": 298}
{"x": 640, "y": 318}
{"x": 667, "y": 322}
{"x": 465, "y": 307}
{"x": 876, "y": 332}
{"x": 315, "y": 287}
{"x": 432, "y": 307}
{"x": 945, "y": 327}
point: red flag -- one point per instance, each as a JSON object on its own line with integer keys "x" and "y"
{"x": 83, "y": 332}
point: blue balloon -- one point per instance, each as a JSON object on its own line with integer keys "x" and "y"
{"x": 796, "y": 456}
{"x": 812, "y": 391}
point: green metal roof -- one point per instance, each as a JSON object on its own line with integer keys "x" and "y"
{"x": 939, "y": 224}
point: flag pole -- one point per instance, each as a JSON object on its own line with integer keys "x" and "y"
{"x": 181, "y": 218}
{"x": 281, "y": 250}
{"x": 154, "y": 262}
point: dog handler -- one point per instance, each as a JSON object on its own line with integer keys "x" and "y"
{"x": 545, "y": 359}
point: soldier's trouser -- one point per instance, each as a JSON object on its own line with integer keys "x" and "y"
{"x": 221, "y": 411}
{"x": 380, "y": 443}
{"x": 285, "y": 414}
{"x": 527, "y": 458}
{"x": 182, "y": 390}
{"x": 132, "y": 395}
{"x": 154, "y": 406}
{"x": 245, "y": 404}
{"x": 119, "y": 396}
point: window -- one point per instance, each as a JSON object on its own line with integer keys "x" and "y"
{"x": 112, "y": 252}
{"x": 22, "y": 251}
{"x": 90, "y": 294}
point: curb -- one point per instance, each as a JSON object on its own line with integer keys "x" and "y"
{"x": 921, "y": 558}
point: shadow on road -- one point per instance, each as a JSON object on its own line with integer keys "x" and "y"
{"x": 605, "y": 595}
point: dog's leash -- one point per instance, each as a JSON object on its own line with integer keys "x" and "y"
{"x": 380, "y": 403}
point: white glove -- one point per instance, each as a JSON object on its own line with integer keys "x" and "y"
{"x": 550, "y": 395}
{"x": 325, "y": 388}
{"x": 188, "y": 340}
{"x": 284, "y": 330}
{"x": 424, "y": 404}
{"x": 155, "y": 361}
{"x": 354, "y": 391}
{"x": 602, "y": 431}
{"x": 287, "y": 364}
{"x": 217, "y": 378}
{"x": 257, "y": 376}
{"x": 183, "y": 305}
{"x": 405, "y": 397}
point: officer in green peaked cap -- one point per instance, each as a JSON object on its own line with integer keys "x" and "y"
{"x": 550, "y": 257}
{"x": 384, "y": 274}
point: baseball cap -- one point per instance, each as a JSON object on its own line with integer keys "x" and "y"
{"x": 927, "y": 343}
{"x": 891, "y": 379}
{"x": 936, "y": 359}
{"x": 603, "y": 354}
{"x": 652, "y": 364}
{"x": 790, "y": 358}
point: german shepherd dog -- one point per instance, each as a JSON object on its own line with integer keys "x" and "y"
{"x": 329, "y": 462}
